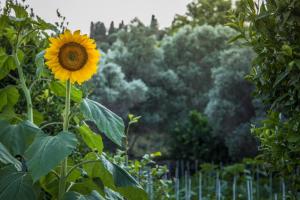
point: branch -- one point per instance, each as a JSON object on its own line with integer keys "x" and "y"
{"x": 49, "y": 124}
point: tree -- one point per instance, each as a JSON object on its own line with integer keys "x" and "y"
{"x": 201, "y": 12}
{"x": 110, "y": 87}
{"x": 273, "y": 30}
{"x": 154, "y": 24}
{"x": 230, "y": 101}
{"x": 121, "y": 25}
{"x": 192, "y": 53}
{"x": 136, "y": 51}
{"x": 193, "y": 140}
{"x": 98, "y": 31}
{"x": 111, "y": 29}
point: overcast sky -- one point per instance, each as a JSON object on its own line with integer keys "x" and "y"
{"x": 81, "y": 12}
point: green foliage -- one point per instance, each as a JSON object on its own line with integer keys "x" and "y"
{"x": 17, "y": 137}
{"x": 114, "y": 177}
{"x": 272, "y": 28}
{"x": 92, "y": 140}
{"x": 107, "y": 122}
{"x": 149, "y": 173}
{"x": 20, "y": 187}
{"x": 7, "y": 158}
{"x": 165, "y": 78}
{"x": 111, "y": 87}
{"x": 279, "y": 139}
{"x": 7, "y": 64}
{"x": 201, "y": 12}
{"x": 9, "y": 96}
{"x": 273, "y": 32}
{"x": 75, "y": 195}
{"x": 59, "y": 89}
{"x": 228, "y": 110}
{"x": 38, "y": 172}
{"x": 194, "y": 140}
{"x": 46, "y": 152}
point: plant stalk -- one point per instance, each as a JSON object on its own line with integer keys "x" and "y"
{"x": 24, "y": 88}
{"x": 126, "y": 145}
{"x": 64, "y": 164}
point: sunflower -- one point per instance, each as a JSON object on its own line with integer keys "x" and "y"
{"x": 72, "y": 56}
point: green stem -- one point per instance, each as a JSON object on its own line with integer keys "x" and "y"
{"x": 126, "y": 145}
{"x": 64, "y": 164}
{"x": 24, "y": 87}
{"x": 67, "y": 106}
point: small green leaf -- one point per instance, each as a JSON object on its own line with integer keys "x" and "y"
{"x": 7, "y": 63}
{"x": 39, "y": 59}
{"x": 20, "y": 55}
{"x": 41, "y": 69}
{"x": 106, "y": 121}
{"x": 7, "y": 114}
{"x": 7, "y": 158}
{"x": 17, "y": 137}
{"x": 16, "y": 185}
{"x": 44, "y": 25}
{"x": 91, "y": 139}
{"x": 75, "y": 195}
{"x": 60, "y": 90}
{"x": 155, "y": 154}
{"x": 9, "y": 96}
{"x": 38, "y": 117}
{"x": 46, "y": 152}
{"x": 20, "y": 11}
{"x": 287, "y": 50}
{"x": 10, "y": 63}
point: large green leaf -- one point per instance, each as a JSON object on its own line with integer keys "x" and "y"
{"x": 7, "y": 158}
{"x": 107, "y": 122}
{"x": 46, "y": 152}
{"x": 91, "y": 139}
{"x": 15, "y": 185}
{"x": 17, "y": 137}
{"x": 59, "y": 89}
{"x": 8, "y": 96}
{"x": 75, "y": 195}
{"x": 114, "y": 177}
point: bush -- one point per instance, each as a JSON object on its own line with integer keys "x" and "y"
{"x": 193, "y": 140}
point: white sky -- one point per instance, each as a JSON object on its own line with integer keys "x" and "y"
{"x": 80, "y": 13}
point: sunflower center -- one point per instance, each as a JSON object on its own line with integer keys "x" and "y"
{"x": 72, "y": 56}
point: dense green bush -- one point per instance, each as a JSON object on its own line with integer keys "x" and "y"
{"x": 193, "y": 140}
{"x": 272, "y": 28}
